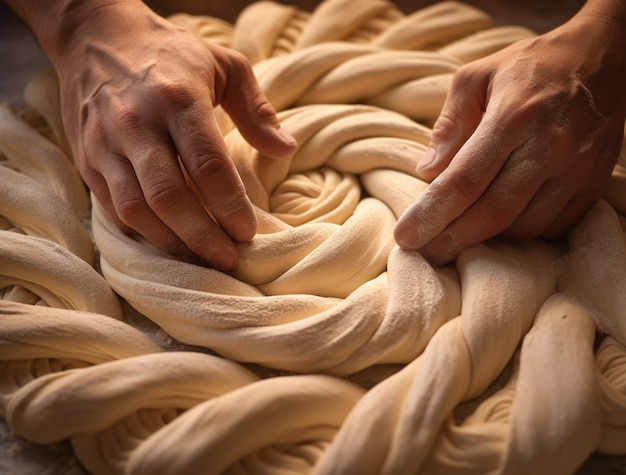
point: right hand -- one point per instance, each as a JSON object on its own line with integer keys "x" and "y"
{"x": 526, "y": 140}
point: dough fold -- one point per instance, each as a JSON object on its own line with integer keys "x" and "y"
{"x": 328, "y": 349}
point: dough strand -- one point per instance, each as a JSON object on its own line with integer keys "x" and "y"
{"x": 328, "y": 349}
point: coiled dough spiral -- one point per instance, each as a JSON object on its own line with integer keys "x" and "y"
{"x": 328, "y": 350}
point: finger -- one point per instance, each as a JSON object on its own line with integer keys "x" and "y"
{"x": 460, "y": 116}
{"x": 251, "y": 112}
{"x": 170, "y": 204}
{"x": 495, "y": 211}
{"x": 212, "y": 172}
{"x": 459, "y": 186}
{"x": 114, "y": 182}
{"x": 467, "y": 231}
{"x": 568, "y": 216}
{"x": 542, "y": 210}
{"x": 130, "y": 207}
{"x": 563, "y": 200}
{"x": 98, "y": 186}
{"x": 514, "y": 207}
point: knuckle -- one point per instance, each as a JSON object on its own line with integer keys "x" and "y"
{"x": 173, "y": 88}
{"x": 175, "y": 93}
{"x": 519, "y": 114}
{"x": 236, "y": 70}
{"x": 444, "y": 126}
{"x": 129, "y": 209}
{"x": 495, "y": 217}
{"x": 161, "y": 196}
{"x": 238, "y": 62}
{"x": 463, "y": 188}
{"x": 464, "y": 75}
{"x": 127, "y": 118}
{"x": 203, "y": 165}
{"x": 263, "y": 110}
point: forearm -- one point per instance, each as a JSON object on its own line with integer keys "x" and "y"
{"x": 57, "y": 24}
{"x": 612, "y": 10}
{"x": 593, "y": 45}
{"x": 604, "y": 20}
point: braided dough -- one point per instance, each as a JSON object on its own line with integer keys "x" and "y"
{"x": 328, "y": 349}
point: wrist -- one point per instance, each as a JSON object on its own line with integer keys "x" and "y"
{"x": 74, "y": 20}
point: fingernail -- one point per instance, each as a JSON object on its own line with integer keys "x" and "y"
{"x": 406, "y": 237}
{"x": 286, "y": 137}
{"x": 224, "y": 261}
{"x": 243, "y": 231}
{"x": 427, "y": 159}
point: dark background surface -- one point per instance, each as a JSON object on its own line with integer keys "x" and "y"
{"x": 21, "y": 58}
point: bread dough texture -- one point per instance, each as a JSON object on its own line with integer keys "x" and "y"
{"x": 328, "y": 349}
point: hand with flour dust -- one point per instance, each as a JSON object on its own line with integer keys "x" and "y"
{"x": 137, "y": 97}
{"x": 526, "y": 140}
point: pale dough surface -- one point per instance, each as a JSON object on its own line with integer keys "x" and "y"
{"x": 328, "y": 349}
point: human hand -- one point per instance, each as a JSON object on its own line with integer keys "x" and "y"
{"x": 137, "y": 96}
{"x": 526, "y": 140}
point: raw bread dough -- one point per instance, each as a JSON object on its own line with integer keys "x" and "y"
{"x": 328, "y": 349}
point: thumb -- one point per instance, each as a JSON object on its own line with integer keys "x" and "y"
{"x": 461, "y": 113}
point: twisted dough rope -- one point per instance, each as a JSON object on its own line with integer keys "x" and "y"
{"x": 408, "y": 60}
{"x": 496, "y": 316}
{"x": 537, "y": 419}
{"x": 46, "y": 256}
{"x": 42, "y": 160}
{"x": 332, "y": 302}
{"x": 91, "y": 378}
{"x": 456, "y": 29}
